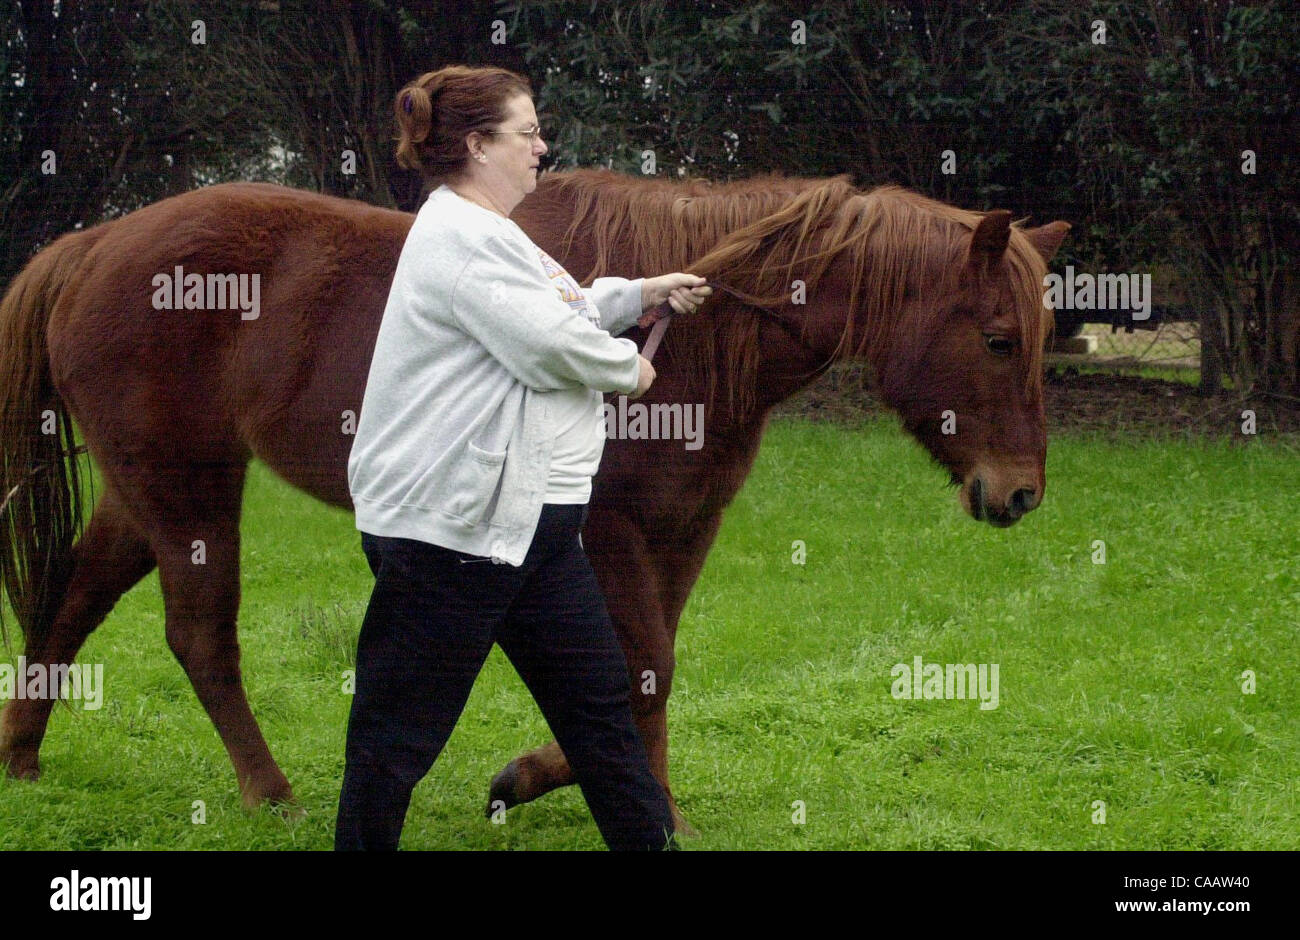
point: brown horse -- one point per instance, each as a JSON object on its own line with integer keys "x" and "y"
{"x": 944, "y": 305}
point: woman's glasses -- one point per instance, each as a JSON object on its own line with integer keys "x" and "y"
{"x": 532, "y": 133}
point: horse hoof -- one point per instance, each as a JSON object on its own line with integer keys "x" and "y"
{"x": 291, "y": 813}
{"x": 20, "y": 766}
{"x": 683, "y": 829}
{"x": 286, "y": 808}
{"x": 503, "y": 789}
{"x": 275, "y": 795}
{"x": 17, "y": 771}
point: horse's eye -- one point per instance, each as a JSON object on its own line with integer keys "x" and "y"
{"x": 999, "y": 345}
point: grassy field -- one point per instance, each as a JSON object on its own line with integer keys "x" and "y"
{"x": 1118, "y": 682}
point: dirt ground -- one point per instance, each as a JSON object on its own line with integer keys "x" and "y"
{"x": 1110, "y": 404}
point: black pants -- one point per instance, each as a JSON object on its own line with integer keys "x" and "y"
{"x": 433, "y": 617}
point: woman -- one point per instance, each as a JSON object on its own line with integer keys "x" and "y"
{"x": 479, "y": 434}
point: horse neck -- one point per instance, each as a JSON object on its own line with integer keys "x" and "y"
{"x": 796, "y": 345}
{"x": 786, "y": 364}
{"x": 789, "y": 357}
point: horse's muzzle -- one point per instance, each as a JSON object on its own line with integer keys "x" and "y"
{"x": 976, "y": 499}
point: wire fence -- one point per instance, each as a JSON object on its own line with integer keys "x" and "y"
{"x": 1172, "y": 345}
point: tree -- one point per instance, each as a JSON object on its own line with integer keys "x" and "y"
{"x": 1141, "y": 132}
{"x": 88, "y": 120}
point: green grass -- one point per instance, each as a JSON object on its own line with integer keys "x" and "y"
{"x": 1184, "y": 375}
{"x": 1118, "y": 682}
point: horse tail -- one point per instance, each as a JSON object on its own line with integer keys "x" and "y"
{"x": 40, "y": 493}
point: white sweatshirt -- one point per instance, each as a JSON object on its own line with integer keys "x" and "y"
{"x": 485, "y": 343}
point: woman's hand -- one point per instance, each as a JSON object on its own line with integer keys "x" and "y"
{"x": 682, "y": 292}
{"x": 644, "y": 378}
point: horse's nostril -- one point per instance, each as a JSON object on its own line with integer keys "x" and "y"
{"x": 1022, "y": 500}
{"x": 977, "y": 499}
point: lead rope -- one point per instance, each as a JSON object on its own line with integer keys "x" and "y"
{"x": 665, "y": 312}
{"x": 657, "y": 333}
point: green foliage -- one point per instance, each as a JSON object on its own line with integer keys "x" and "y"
{"x": 1136, "y": 141}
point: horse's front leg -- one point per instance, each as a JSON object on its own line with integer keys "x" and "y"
{"x": 544, "y": 769}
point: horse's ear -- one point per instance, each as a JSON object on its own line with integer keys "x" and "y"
{"x": 1047, "y": 238}
{"x": 989, "y": 243}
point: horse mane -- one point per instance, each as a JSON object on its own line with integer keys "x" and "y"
{"x": 760, "y": 234}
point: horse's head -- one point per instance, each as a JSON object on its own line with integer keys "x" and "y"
{"x": 946, "y": 305}
{"x": 964, "y": 363}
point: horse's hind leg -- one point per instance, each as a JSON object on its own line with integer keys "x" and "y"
{"x": 108, "y": 560}
{"x": 195, "y": 537}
